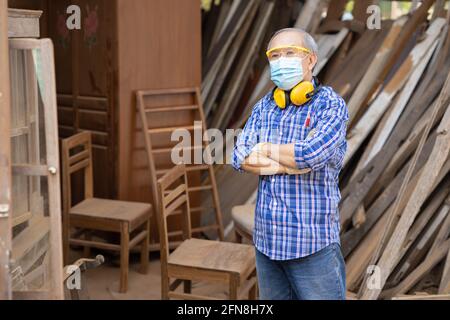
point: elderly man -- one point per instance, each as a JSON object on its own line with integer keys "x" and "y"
{"x": 295, "y": 141}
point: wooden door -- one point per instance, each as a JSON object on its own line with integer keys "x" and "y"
{"x": 36, "y": 271}
{"x": 85, "y": 74}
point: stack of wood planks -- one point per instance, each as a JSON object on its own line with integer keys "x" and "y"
{"x": 395, "y": 183}
{"x": 395, "y": 186}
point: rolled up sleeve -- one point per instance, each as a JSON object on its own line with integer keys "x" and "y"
{"x": 248, "y": 138}
{"x": 316, "y": 151}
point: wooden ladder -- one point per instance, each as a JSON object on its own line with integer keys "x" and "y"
{"x": 151, "y": 130}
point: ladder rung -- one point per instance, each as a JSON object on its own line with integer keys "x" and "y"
{"x": 200, "y": 188}
{"x": 171, "y": 109}
{"x": 194, "y": 230}
{"x": 169, "y": 150}
{"x": 200, "y": 167}
{"x": 195, "y": 209}
{"x": 194, "y": 189}
{"x": 205, "y": 228}
{"x": 172, "y": 129}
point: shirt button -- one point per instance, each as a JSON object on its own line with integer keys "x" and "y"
{"x": 273, "y": 180}
{"x": 274, "y": 227}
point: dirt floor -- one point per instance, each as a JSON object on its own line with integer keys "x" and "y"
{"x": 102, "y": 283}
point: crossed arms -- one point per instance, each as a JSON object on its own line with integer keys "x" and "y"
{"x": 268, "y": 159}
{"x": 301, "y": 157}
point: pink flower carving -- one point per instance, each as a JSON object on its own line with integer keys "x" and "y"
{"x": 91, "y": 23}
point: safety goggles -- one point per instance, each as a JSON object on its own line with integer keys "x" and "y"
{"x": 287, "y": 51}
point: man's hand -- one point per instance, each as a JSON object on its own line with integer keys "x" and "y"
{"x": 282, "y": 154}
{"x": 261, "y": 165}
{"x": 264, "y": 160}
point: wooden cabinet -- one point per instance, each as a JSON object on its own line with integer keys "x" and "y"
{"x": 123, "y": 46}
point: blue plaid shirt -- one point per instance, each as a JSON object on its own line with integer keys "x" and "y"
{"x": 298, "y": 215}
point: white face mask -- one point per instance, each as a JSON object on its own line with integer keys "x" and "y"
{"x": 286, "y": 73}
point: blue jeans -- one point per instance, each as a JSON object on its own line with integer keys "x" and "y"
{"x": 320, "y": 276}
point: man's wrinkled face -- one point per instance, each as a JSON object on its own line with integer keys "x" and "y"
{"x": 291, "y": 44}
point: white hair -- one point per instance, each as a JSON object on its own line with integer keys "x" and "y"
{"x": 308, "y": 40}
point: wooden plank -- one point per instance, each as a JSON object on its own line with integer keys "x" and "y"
{"x": 417, "y": 228}
{"x": 360, "y": 9}
{"x": 5, "y": 154}
{"x": 423, "y": 297}
{"x": 431, "y": 170}
{"x": 231, "y": 55}
{"x": 444, "y": 230}
{"x": 214, "y": 61}
{"x": 243, "y": 69}
{"x": 411, "y": 25}
{"x": 408, "y": 76}
{"x": 23, "y": 23}
{"x": 328, "y": 44}
{"x": 336, "y": 9}
{"x": 309, "y": 15}
{"x": 359, "y": 186}
{"x": 359, "y": 259}
{"x": 426, "y": 266}
{"x": 394, "y": 175}
{"x": 444, "y": 286}
{"x": 375, "y": 68}
{"x": 384, "y": 130}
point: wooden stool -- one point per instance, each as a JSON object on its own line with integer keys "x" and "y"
{"x": 196, "y": 259}
{"x": 130, "y": 219}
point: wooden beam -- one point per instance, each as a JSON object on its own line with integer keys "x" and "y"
{"x": 358, "y": 188}
{"x": 244, "y": 68}
{"x": 376, "y": 66}
{"x": 444, "y": 286}
{"x": 418, "y": 16}
{"x": 431, "y": 170}
{"x": 335, "y": 11}
{"x": 384, "y": 130}
{"x": 426, "y": 266}
{"x": 409, "y": 73}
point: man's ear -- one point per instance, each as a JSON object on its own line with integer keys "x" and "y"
{"x": 312, "y": 61}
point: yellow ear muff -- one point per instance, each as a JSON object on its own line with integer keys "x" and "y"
{"x": 300, "y": 94}
{"x": 281, "y": 98}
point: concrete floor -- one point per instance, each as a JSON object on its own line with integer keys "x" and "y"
{"x": 103, "y": 283}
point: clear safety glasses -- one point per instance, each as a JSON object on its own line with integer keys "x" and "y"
{"x": 287, "y": 52}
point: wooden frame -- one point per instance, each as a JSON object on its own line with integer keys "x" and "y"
{"x": 95, "y": 214}
{"x": 23, "y": 23}
{"x": 5, "y": 153}
{"x": 151, "y": 151}
{"x": 195, "y": 259}
{"x": 44, "y": 64}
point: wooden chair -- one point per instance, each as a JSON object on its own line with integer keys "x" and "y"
{"x": 130, "y": 219}
{"x": 197, "y": 259}
{"x": 244, "y": 222}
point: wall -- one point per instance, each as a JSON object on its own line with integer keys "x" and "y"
{"x": 159, "y": 46}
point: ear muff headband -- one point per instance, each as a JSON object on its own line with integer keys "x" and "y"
{"x": 299, "y": 95}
